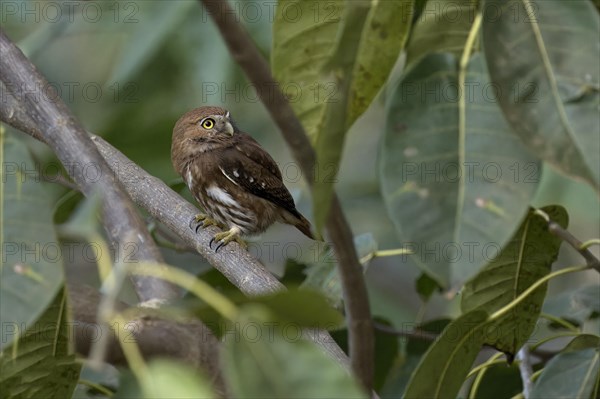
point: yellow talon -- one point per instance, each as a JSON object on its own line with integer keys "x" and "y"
{"x": 224, "y": 238}
{"x": 202, "y": 220}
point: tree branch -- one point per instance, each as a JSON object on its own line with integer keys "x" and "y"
{"x": 249, "y": 58}
{"x": 51, "y": 121}
{"x": 190, "y": 341}
{"x": 526, "y": 370}
{"x": 167, "y": 207}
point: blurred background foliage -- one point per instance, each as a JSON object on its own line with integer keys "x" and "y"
{"x": 128, "y": 70}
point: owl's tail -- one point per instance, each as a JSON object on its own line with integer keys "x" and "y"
{"x": 296, "y": 219}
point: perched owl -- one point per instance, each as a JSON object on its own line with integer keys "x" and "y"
{"x": 232, "y": 177}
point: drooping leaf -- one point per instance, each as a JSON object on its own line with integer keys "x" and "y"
{"x": 455, "y": 191}
{"x": 262, "y": 364}
{"x": 445, "y": 365}
{"x": 524, "y": 260}
{"x": 40, "y": 364}
{"x": 548, "y": 74}
{"x": 570, "y": 374}
{"x": 31, "y": 265}
{"x": 319, "y": 50}
{"x": 383, "y": 37}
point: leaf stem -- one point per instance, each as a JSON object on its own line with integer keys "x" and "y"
{"x": 480, "y": 370}
{"x": 589, "y": 243}
{"x": 562, "y": 322}
{"x": 191, "y": 283}
{"x": 131, "y": 351}
{"x": 502, "y": 311}
{"x": 98, "y": 387}
{"x": 462, "y": 117}
{"x": 384, "y": 253}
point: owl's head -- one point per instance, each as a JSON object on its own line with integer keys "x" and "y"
{"x": 199, "y": 131}
{"x": 204, "y": 122}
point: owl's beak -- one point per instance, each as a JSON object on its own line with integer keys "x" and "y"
{"x": 227, "y": 126}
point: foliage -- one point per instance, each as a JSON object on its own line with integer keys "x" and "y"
{"x": 455, "y": 124}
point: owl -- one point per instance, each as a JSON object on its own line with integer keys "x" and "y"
{"x": 235, "y": 181}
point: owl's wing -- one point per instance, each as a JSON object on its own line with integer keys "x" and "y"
{"x": 247, "y": 165}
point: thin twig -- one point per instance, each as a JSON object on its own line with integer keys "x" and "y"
{"x": 412, "y": 334}
{"x": 557, "y": 230}
{"x": 257, "y": 70}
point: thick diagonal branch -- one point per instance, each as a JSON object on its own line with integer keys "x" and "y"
{"x": 26, "y": 92}
{"x": 167, "y": 207}
{"x": 249, "y": 58}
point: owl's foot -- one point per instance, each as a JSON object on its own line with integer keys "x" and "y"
{"x": 202, "y": 220}
{"x": 224, "y": 238}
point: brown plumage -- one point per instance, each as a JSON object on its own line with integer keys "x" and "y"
{"x": 232, "y": 177}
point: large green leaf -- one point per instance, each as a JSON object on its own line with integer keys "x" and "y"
{"x": 31, "y": 265}
{"x": 40, "y": 364}
{"x": 524, "y": 260}
{"x": 455, "y": 191}
{"x": 570, "y": 374}
{"x": 443, "y": 26}
{"x": 166, "y": 379}
{"x": 384, "y": 35}
{"x": 545, "y": 59}
{"x": 444, "y": 367}
{"x": 331, "y": 58}
{"x": 271, "y": 363}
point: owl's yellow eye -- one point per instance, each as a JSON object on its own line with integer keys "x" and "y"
{"x": 208, "y": 123}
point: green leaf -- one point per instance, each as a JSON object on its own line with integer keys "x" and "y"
{"x": 31, "y": 265}
{"x": 262, "y": 364}
{"x": 293, "y": 309}
{"x": 301, "y": 307}
{"x": 456, "y": 193}
{"x": 168, "y": 379}
{"x": 572, "y": 374}
{"x": 319, "y": 49}
{"x": 444, "y": 367}
{"x": 545, "y": 60}
{"x": 524, "y": 260}
{"x": 39, "y": 364}
{"x": 500, "y": 381}
{"x": 579, "y": 305}
{"x": 582, "y": 341}
{"x": 399, "y": 376}
{"x": 443, "y": 26}
{"x": 383, "y": 37}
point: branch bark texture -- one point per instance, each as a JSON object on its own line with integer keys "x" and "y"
{"x": 256, "y": 68}
{"x": 55, "y": 125}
